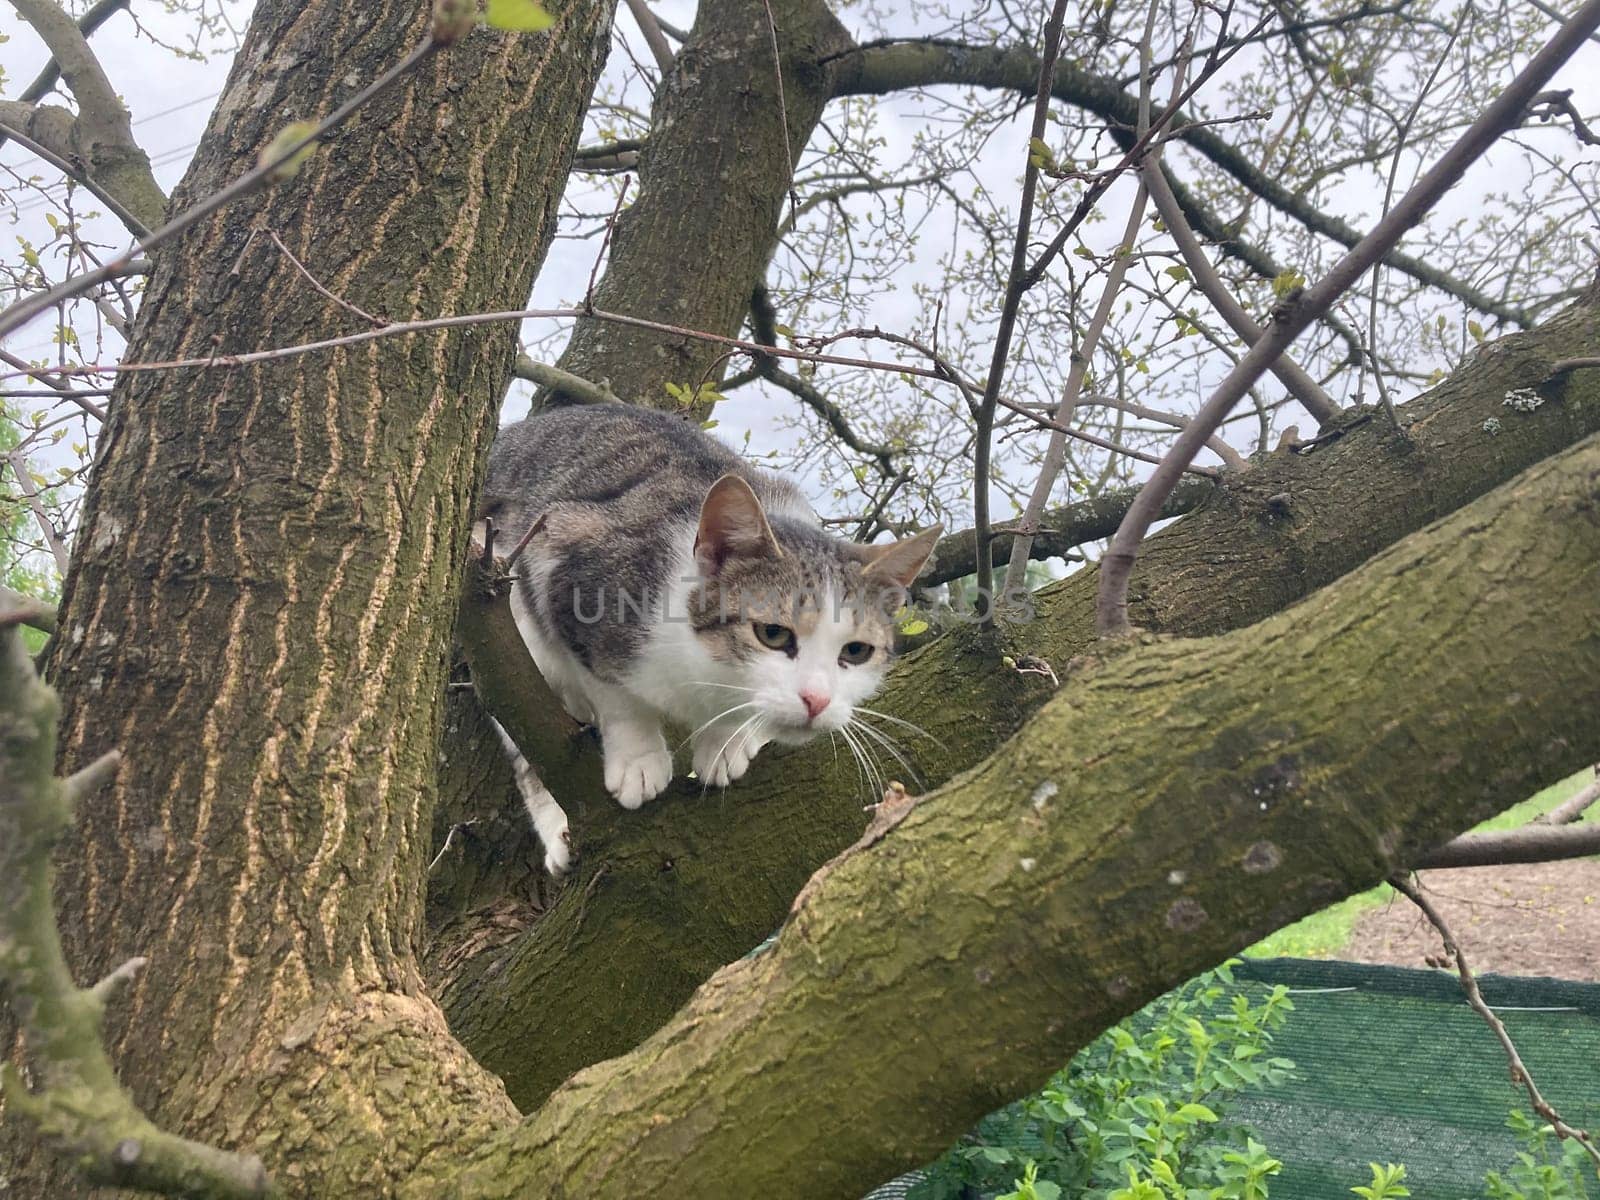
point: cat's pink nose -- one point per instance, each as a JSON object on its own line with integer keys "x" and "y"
{"x": 814, "y": 701}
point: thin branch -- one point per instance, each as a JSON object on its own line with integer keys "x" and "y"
{"x": 575, "y": 387}
{"x": 25, "y": 610}
{"x": 316, "y": 283}
{"x": 1061, "y": 530}
{"x": 35, "y": 502}
{"x": 1532, "y": 843}
{"x": 940, "y": 371}
{"x": 1016, "y": 285}
{"x": 1571, "y": 809}
{"x": 80, "y": 1108}
{"x": 43, "y": 375}
{"x": 1469, "y": 985}
{"x": 1300, "y": 385}
{"x": 31, "y": 306}
{"x": 1094, "y": 439}
{"x": 1055, "y": 455}
{"x": 1503, "y": 113}
{"x": 653, "y": 37}
{"x": 783, "y": 107}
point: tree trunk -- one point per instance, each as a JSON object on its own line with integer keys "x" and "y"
{"x": 665, "y": 896}
{"x": 1176, "y": 800}
{"x": 714, "y": 177}
{"x": 260, "y": 605}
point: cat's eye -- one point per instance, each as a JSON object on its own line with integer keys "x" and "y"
{"x": 855, "y": 653}
{"x": 775, "y": 637}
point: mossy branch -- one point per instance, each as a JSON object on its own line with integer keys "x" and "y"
{"x": 1171, "y": 803}
{"x": 79, "y": 1106}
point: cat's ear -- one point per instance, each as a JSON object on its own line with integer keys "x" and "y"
{"x": 732, "y": 525}
{"x": 899, "y": 563}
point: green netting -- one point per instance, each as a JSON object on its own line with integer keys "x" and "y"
{"x": 1392, "y": 1066}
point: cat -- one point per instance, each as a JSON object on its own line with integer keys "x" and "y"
{"x": 672, "y": 583}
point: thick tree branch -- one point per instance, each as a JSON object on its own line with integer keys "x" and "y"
{"x": 102, "y": 132}
{"x": 878, "y": 70}
{"x": 1089, "y": 865}
{"x": 678, "y": 899}
{"x": 60, "y": 155}
{"x": 80, "y": 1108}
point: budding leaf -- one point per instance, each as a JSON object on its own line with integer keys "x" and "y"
{"x": 520, "y": 16}
{"x": 289, "y": 135}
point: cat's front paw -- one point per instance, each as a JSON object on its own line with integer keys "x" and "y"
{"x": 720, "y": 759}
{"x": 640, "y": 775}
{"x": 559, "y": 854}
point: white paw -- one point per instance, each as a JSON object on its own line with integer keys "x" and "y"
{"x": 559, "y": 855}
{"x": 719, "y": 760}
{"x": 636, "y": 777}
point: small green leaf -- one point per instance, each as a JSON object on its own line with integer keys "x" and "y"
{"x": 914, "y": 626}
{"x": 290, "y": 135}
{"x": 1179, "y": 272}
{"x": 519, "y": 16}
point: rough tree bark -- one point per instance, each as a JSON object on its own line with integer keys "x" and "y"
{"x": 717, "y": 135}
{"x": 666, "y": 895}
{"x": 1173, "y": 802}
{"x": 260, "y": 605}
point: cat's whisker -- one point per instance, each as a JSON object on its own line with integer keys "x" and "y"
{"x": 732, "y": 687}
{"x": 889, "y": 744}
{"x": 883, "y": 716}
{"x": 727, "y": 712}
{"x": 874, "y": 777}
{"x": 855, "y": 757}
{"x": 723, "y": 749}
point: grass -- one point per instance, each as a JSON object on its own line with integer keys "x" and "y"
{"x": 1324, "y": 934}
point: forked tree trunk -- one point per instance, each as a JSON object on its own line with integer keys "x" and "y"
{"x": 664, "y": 896}
{"x": 260, "y": 607}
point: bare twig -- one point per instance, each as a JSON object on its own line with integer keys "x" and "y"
{"x": 574, "y": 387}
{"x": 1094, "y": 439}
{"x": 605, "y": 241}
{"x": 1531, "y": 843}
{"x": 79, "y": 1107}
{"x": 783, "y": 108}
{"x": 1292, "y": 318}
{"x": 1016, "y": 285}
{"x": 44, "y": 376}
{"x": 316, "y": 283}
{"x": 31, "y": 306}
{"x": 1402, "y": 132}
{"x": 1055, "y": 455}
{"x": 1550, "y": 105}
{"x": 1300, "y": 385}
{"x": 1061, "y": 529}
{"x": 1469, "y": 985}
{"x": 400, "y": 328}
{"x": 35, "y": 502}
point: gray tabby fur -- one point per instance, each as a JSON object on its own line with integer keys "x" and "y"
{"x": 644, "y": 594}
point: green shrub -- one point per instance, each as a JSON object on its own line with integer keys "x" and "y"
{"x": 1140, "y": 1114}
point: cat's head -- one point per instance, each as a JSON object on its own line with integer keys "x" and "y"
{"x": 801, "y": 624}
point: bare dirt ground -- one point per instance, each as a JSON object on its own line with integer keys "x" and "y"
{"x": 1538, "y": 919}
